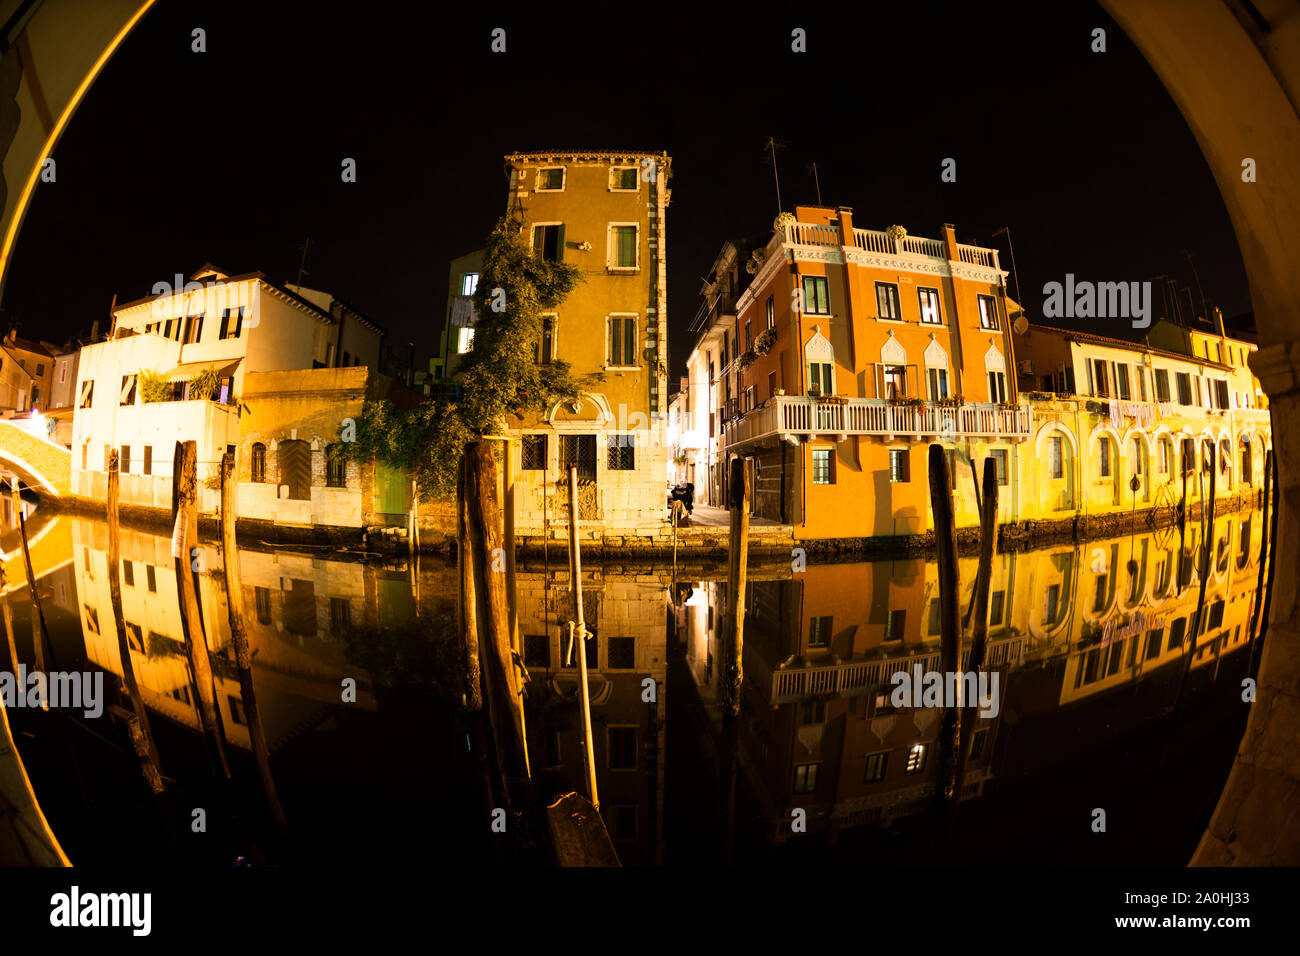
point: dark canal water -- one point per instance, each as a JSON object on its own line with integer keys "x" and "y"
{"x": 1102, "y": 705}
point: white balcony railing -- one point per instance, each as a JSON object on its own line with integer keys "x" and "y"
{"x": 798, "y": 416}
{"x": 864, "y": 676}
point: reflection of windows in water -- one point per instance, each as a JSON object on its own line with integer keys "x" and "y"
{"x": 915, "y": 759}
{"x": 819, "y": 631}
{"x": 622, "y": 823}
{"x": 134, "y": 639}
{"x": 150, "y": 578}
{"x": 262, "y": 599}
{"x": 1052, "y": 604}
{"x": 895, "y": 624}
{"x": 92, "y": 619}
{"x": 1216, "y": 614}
{"x": 977, "y": 744}
{"x": 340, "y": 612}
{"x": 997, "y": 601}
{"x": 85, "y": 560}
{"x": 537, "y": 650}
{"x": 236, "y": 710}
{"x": 1176, "y": 632}
{"x": 622, "y": 748}
{"x": 128, "y": 573}
{"x": 182, "y": 693}
{"x": 300, "y": 607}
{"x": 936, "y": 617}
{"x": 876, "y": 764}
{"x": 1153, "y": 643}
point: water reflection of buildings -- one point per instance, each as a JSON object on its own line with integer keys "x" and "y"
{"x": 296, "y": 607}
{"x": 1067, "y": 625}
{"x": 626, "y": 652}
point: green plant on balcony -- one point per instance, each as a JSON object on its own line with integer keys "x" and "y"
{"x": 955, "y": 401}
{"x": 766, "y": 339}
{"x": 153, "y": 387}
{"x": 906, "y": 402}
{"x": 203, "y": 387}
{"x": 747, "y": 358}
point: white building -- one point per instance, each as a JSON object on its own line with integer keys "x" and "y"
{"x": 173, "y": 369}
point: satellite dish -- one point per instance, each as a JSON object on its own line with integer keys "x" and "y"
{"x": 1021, "y": 324}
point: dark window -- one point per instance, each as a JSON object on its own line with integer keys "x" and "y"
{"x": 625, "y": 178}
{"x": 623, "y": 255}
{"x": 977, "y": 744}
{"x": 816, "y": 296}
{"x": 134, "y": 637}
{"x": 1000, "y": 458}
{"x": 622, "y": 340}
{"x": 591, "y": 645}
{"x": 875, "y": 769}
{"x": 546, "y": 347}
{"x": 533, "y": 453}
{"x": 898, "y": 464}
{"x": 997, "y": 601}
{"x": 128, "y": 573}
{"x": 622, "y": 653}
{"x": 124, "y": 460}
{"x": 579, "y": 450}
{"x": 537, "y": 650}
{"x": 262, "y": 600}
{"x": 548, "y": 242}
{"x": 150, "y": 579}
{"x": 819, "y": 630}
{"x": 300, "y": 608}
{"x": 1176, "y": 632}
{"x": 1162, "y": 385}
{"x": 887, "y": 306}
{"x": 148, "y": 460}
{"x": 258, "y": 471}
{"x": 336, "y": 466}
{"x": 622, "y": 452}
{"x": 340, "y": 613}
{"x": 550, "y": 178}
{"x": 622, "y": 748}
{"x": 895, "y": 625}
{"x": 236, "y": 710}
{"x": 805, "y": 778}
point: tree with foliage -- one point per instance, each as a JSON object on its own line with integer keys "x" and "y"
{"x": 499, "y": 377}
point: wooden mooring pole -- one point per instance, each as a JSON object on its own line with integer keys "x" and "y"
{"x": 945, "y": 541}
{"x": 141, "y": 734}
{"x": 185, "y": 539}
{"x": 239, "y": 639}
{"x": 578, "y": 630}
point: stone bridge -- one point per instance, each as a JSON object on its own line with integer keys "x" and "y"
{"x": 39, "y": 464}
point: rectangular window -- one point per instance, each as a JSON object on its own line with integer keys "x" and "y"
{"x": 895, "y": 625}
{"x": 127, "y": 396}
{"x": 898, "y": 464}
{"x": 819, "y": 378}
{"x": 915, "y": 760}
{"x": 147, "y": 468}
{"x": 128, "y": 573}
{"x": 622, "y": 653}
{"x": 938, "y": 381}
{"x": 1162, "y": 384}
{"x": 1142, "y": 382}
{"x": 997, "y": 603}
{"x": 1103, "y": 457}
{"x": 887, "y": 301}
{"x": 63, "y": 372}
{"x": 623, "y": 179}
{"x": 340, "y": 613}
{"x": 151, "y": 580}
{"x": 548, "y": 242}
{"x": 819, "y": 631}
{"x": 124, "y": 460}
{"x": 1000, "y": 459}
{"x": 805, "y": 778}
{"x": 1122, "y": 382}
{"x": 929, "y": 299}
{"x": 193, "y": 328}
{"x": 816, "y": 296}
{"x": 989, "y": 313}
{"x": 771, "y": 312}
{"x": 1051, "y": 604}
{"x": 623, "y": 247}
{"x": 895, "y": 381}
{"x": 1184, "y": 381}
{"x": 1100, "y": 379}
{"x": 550, "y": 180}
{"x": 998, "y": 387}
{"x": 537, "y": 650}
{"x": 1176, "y": 632}
{"x": 622, "y": 452}
{"x": 533, "y": 453}
{"x": 546, "y": 347}
{"x": 749, "y": 335}
{"x": 875, "y": 769}
{"x": 823, "y": 470}
{"x": 622, "y": 748}
{"x": 1055, "y": 458}
{"x": 468, "y": 283}
{"x": 622, "y": 341}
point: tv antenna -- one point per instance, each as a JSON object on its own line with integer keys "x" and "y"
{"x": 772, "y": 145}
{"x": 817, "y": 182}
{"x": 302, "y": 264}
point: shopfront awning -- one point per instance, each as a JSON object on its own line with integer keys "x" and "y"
{"x": 189, "y": 370}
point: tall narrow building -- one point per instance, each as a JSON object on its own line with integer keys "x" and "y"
{"x": 602, "y": 212}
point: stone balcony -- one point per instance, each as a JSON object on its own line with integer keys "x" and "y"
{"x": 800, "y": 418}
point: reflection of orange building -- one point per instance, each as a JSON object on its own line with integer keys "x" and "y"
{"x": 857, "y": 349}
{"x": 1066, "y": 625}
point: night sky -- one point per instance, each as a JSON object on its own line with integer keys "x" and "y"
{"x": 233, "y": 156}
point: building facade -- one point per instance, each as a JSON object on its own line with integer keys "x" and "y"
{"x": 603, "y": 212}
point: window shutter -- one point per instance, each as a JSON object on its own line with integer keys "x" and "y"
{"x": 629, "y": 342}
{"x": 225, "y": 322}
{"x": 559, "y": 245}
{"x": 239, "y": 322}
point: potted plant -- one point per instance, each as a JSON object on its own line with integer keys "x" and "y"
{"x": 747, "y": 358}
{"x": 766, "y": 339}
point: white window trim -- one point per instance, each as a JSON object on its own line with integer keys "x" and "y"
{"x": 621, "y": 189}
{"x": 534, "y": 226}
{"x": 636, "y": 339}
{"x": 997, "y": 314}
{"x": 610, "y": 251}
{"x": 463, "y": 277}
{"x": 564, "y": 179}
{"x": 555, "y": 334}
{"x": 938, "y": 302}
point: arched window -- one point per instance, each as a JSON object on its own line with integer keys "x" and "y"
{"x": 259, "y": 462}
{"x": 336, "y": 466}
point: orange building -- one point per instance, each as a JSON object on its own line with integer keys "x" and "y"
{"x": 856, "y": 349}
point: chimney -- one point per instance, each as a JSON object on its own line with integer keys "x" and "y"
{"x": 846, "y": 225}
{"x": 950, "y": 241}
{"x": 1218, "y": 322}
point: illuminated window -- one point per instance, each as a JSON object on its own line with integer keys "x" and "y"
{"x": 915, "y": 760}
